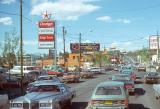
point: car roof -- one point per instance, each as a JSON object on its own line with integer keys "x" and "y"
{"x": 111, "y": 83}
{"x": 46, "y": 76}
{"x": 48, "y": 83}
{"x": 120, "y": 74}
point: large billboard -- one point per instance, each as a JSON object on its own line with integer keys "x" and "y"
{"x": 46, "y": 35}
{"x": 153, "y": 42}
{"x": 85, "y": 47}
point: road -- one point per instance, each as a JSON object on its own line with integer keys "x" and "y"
{"x": 142, "y": 99}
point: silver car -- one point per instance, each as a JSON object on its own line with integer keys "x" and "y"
{"x": 45, "y": 96}
{"x": 109, "y": 95}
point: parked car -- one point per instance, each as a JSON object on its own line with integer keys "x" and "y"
{"x": 33, "y": 75}
{"x": 129, "y": 72}
{"x": 109, "y": 95}
{"x": 141, "y": 68}
{"x": 55, "y": 73}
{"x": 151, "y": 77}
{"x": 17, "y": 69}
{"x": 96, "y": 70}
{"x": 71, "y": 77}
{"x": 3, "y": 101}
{"x": 86, "y": 74}
{"x": 45, "y": 96}
{"x": 126, "y": 79}
{"x": 156, "y": 89}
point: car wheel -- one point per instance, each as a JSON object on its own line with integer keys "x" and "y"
{"x": 69, "y": 104}
{"x": 58, "y": 106}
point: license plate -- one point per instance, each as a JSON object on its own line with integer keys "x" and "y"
{"x": 108, "y": 102}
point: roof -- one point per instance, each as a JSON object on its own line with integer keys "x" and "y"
{"x": 111, "y": 83}
{"x": 48, "y": 83}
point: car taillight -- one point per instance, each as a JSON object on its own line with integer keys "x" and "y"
{"x": 126, "y": 101}
{"x": 92, "y": 102}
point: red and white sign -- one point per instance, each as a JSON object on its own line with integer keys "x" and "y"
{"x": 46, "y": 35}
{"x": 153, "y": 42}
{"x": 46, "y": 24}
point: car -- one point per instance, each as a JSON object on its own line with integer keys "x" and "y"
{"x": 71, "y": 77}
{"x": 95, "y": 69}
{"x": 45, "y": 96}
{"x": 3, "y": 101}
{"x": 55, "y": 73}
{"x": 129, "y": 72}
{"x": 109, "y": 95}
{"x": 141, "y": 68}
{"x": 86, "y": 74}
{"x": 156, "y": 90}
{"x": 151, "y": 77}
{"x": 33, "y": 75}
{"x": 126, "y": 79}
{"x": 43, "y": 79}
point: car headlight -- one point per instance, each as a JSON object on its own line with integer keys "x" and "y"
{"x": 45, "y": 104}
{"x": 16, "y": 105}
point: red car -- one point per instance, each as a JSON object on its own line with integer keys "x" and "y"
{"x": 55, "y": 73}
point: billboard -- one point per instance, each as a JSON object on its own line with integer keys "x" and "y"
{"x": 153, "y": 42}
{"x": 85, "y": 47}
{"x": 46, "y": 35}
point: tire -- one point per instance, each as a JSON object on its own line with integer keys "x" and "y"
{"x": 58, "y": 106}
{"x": 69, "y": 104}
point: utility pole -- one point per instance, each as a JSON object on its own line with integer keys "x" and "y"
{"x": 157, "y": 46}
{"x": 21, "y": 45}
{"x": 80, "y": 51}
{"x": 64, "y": 47}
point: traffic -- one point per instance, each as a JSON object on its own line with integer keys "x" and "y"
{"x": 50, "y": 91}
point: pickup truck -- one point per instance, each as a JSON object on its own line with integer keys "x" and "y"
{"x": 156, "y": 88}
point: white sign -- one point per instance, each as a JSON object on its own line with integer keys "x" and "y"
{"x": 46, "y": 45}
{"x": 46, "y": 30}
{"x": 153, "y": 42}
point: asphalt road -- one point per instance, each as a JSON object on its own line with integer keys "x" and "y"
{"x": 142, "y": 99}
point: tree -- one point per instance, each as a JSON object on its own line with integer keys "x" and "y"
{"x": 10, "y": 47}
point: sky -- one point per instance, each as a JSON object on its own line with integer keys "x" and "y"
{"x": 126, "y": 24}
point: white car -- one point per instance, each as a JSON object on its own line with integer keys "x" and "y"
{"x": 95, "y": 69}
{"x": 45, "y": 96}
{"x": 26, "y": 69}
{"x": 3, "y": 101}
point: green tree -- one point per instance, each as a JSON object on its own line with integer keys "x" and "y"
{"x": 10, "y": 47}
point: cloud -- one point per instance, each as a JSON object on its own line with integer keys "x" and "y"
{"x": 125, "y": 21}
{"x": 64, "y": 9}
{"x": 104, "y": 18}
{"x": 6, "y": 21}
{"x": 110, "y": 19}
{"x": 7, "y": 1}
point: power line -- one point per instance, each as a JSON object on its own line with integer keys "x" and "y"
{"x": 15, "y": 14}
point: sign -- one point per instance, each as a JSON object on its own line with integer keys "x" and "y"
{"x": 46, "y": 45}
{"x": 153, "y": 42}
{"x": 46, "y": 24}
{"x": 46, "y": 35}
{"x": 85, "y": 47}
{"x": 46, "y": 30}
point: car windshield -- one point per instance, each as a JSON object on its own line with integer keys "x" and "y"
{"x": 45, "y": 88}
{"x": 109, "y": 90}
{"x": 152, "y": 74}
{"x": 121, "y": 77}
{"x": 47, "y": 78}
{"x": 126, "y": 72}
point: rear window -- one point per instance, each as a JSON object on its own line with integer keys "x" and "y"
{"x": 110, "y": 90}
